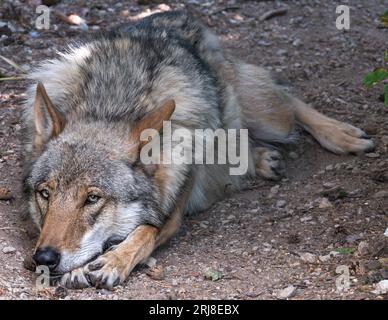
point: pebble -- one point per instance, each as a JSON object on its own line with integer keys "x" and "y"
{"x": 328, "y": 256}
{"x": 297, "y": 43}
{"x": 329, "y": 185}
{"x": 325, "y": 258}
{"x": 9, "y": 249}
{"x": 282, "y": 52}
{"x": 281, "y": 203}
{"x": 156, "y": 273}
{"x": 325, "y": 203}
{"x": 308, "y": 257}
{"x": 386, "y": 232}
{"x": 273, "y": 191}
{"x": 286, "y": 293}
{"x": 306, "y": 219}
{"x": 151, "y": 262}
{"x": 383, "y": 262}
{"x": 293, "y": 155}
{"x": 381, "y": 194}
{"x": 371, "y": 129}
{"x": 381, "y": 287}
{"x": 353, "y": 238}
{"x": 5, "y": 194}
{"x": 372, "y": 155}
{"x": 363, "y": 248}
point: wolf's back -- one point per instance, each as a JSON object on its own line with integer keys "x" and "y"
{"x": 122, "y": 78}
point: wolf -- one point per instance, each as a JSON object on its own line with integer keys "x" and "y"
{"x": 99, "y": 209}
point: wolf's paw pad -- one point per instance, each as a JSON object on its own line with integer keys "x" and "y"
{"x": 106, "y": 272}
{"x": 269, "y": 163}
{"x": 76, "y": 279}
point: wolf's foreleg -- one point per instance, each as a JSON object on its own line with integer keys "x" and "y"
{"x": 113, "y": 267}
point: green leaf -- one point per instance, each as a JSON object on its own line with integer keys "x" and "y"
{"x": 386, "y": 95}
{"x": 384, "y": 19}
{"x": 213, "y": 275}
{"x": 386, "y": 55}
{"x": 346, "y": 250}
{"x": 375, "y": 77}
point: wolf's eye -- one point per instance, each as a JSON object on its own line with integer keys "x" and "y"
{"x": 92, "y": 199}
{"x": 45, "y": 194}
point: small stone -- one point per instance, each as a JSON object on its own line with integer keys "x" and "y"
{"x": 306, "y": 219}
{"x": 330, "y": 167}
{"x": 329, "y": 185}
{"x": 156, "y": 273}
{"x": 273, "y": 191}
{"x": 293, "y": 155}
{"x": 381, "y": 194}
{"x": 174, "y": 282}
{"x": 384, "y": 140}
{"x": 282, "y": 52}
{"x": 297, "y": 43}
{"x": 381, "y": 287}
{"x": 384, "y": 262}
{"x": 308, "y": 257}
{"x": 386, "y": 232}
{"x": 5, "y": 194}
{"x": 369, "y": 265}
{"x": 372, "y": 155}
{"x": 281, "y": 203}
{"x": 325, "y": 258}
{"x": 9, "y": 250}
{"x": 334, "y": 253}
{"x": 105, "y": 292}
{"x": 151, "y": 262}
{"x": 325, "y": 203}
{"x": 286, "y": 292}
{"x": 371, "y": 129}
{"x": 363, "y": 248}
{"x": 353, "y": 238}
{"x": 60, "y": 292}
{"x": 328, "y": 256}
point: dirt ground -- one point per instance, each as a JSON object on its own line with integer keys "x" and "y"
{"x": 272, "y": 235}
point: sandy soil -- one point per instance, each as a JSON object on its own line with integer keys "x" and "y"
{"x": 271, "y": 235}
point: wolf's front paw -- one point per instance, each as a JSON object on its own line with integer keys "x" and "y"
{"x": 107, "y": 271}
{"x": 75, "y": 279}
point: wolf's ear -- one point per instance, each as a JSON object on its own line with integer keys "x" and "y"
{"x": 153, "y": 120}
{"x": 48, "y": 123}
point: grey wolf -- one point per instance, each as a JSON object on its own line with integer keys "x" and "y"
{"x": 99, "y": 209}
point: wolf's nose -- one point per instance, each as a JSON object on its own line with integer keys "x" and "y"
{"x": 47, "y": 256}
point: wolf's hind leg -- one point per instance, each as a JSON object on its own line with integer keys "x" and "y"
{"x": 336, "y": 136}
{"x": 270, "y": 114}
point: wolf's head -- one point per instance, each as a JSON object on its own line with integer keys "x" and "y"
{"x": 85, "y": 189}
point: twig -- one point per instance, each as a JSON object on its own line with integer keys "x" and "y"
{"x": 13, "y": 64}
{"x": 273, "y": 13}
{"x": 224, "y": 9}
{"x": 12, "y": 78}
{"x": 13, "y": 228}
